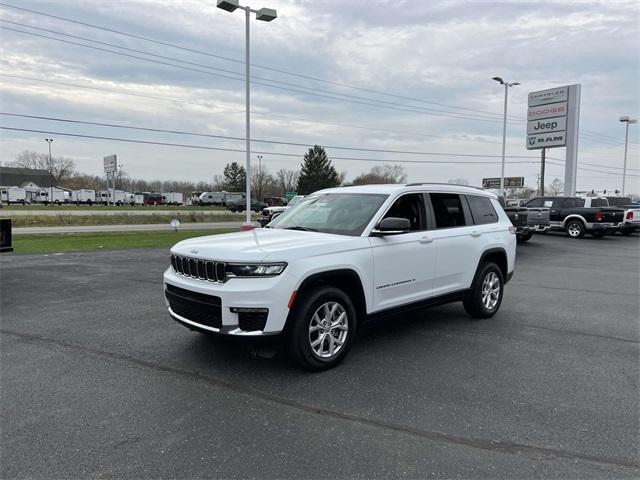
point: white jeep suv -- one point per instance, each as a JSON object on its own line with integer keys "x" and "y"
{"x": 341, "y": 257}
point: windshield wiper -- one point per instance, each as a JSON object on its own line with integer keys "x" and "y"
{"x": 304, "y": 229}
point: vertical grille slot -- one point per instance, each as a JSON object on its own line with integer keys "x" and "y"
{"x": 221, "y": 271}
{"x": 199, "y": 268}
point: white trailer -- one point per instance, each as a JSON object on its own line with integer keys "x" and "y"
{"x": 117, "y": 197}
{"x": 83, "y": 196}
{"x": 102, "y": 196}
{"x": 172, "y": 198}
{"x": 212, "y": 198}
{"x": 233, "y": 197}
{"x": 138, "y": 199}
{"x": 60, "y": 195}
{"x": 13, "y": 195}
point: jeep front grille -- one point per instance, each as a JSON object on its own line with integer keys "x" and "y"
{"x": 209, "y": 270}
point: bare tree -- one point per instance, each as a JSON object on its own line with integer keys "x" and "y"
{"x": 61, "y": 168}
{"x": 287, "y": 180}
{"x": 556, "y": 187}
{"x": 382, "y": 174}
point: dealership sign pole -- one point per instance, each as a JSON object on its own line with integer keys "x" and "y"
{"x": 552, "y": 121}
{"x": 110, "y": 167}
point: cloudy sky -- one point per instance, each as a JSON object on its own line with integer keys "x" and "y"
{"x": 403, "y": 75}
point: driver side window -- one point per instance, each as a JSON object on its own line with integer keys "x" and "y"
{"x": 411, "y": 207}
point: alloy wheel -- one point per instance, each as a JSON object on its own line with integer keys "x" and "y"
{"x": 328, "y": 330}
{"x": 490, "y": 290}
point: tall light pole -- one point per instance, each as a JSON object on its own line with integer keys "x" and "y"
{"x": 266, "y": 15}
{"x": 626, "y": 120}
{"x": 49, "y": 141}
{"x": 504, "y": 127}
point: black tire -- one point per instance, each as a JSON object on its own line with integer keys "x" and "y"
{"x": 300, "y": 338}
{"x": 474, "y": 305}
{"x": 524, "y": 238}
{"x": 89, "y": 202}
{"x": 627, "y": 231}
{"x": 575, "y": 229}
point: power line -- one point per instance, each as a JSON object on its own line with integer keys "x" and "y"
{"x": 221, "y": 57}
{"x": 227, "y": 137}
{"x": 295, "y": 90}
{"x": 204, "y": 147}
{"x": 263, "y": 79}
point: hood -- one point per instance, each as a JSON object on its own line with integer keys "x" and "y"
{"x": 264, "y": 244}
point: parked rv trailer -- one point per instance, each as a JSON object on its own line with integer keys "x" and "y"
{"x": 211, "y": 198}
{"x": 137, "y": 199}
{"x": 118, "y": 197}
{"x": 152, "y": 198}
{"x": 102, "y": 196}
{"x": 83, "y": 195}
{"x": 13, "y": 195}
{"x": 172, "y": 198}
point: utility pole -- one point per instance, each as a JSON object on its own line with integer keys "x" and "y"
{"x": 504, "y": 127}
{"x": 627, "y": 121}
{"x": 49, "y": 140}
{"x": 543, "y": 155}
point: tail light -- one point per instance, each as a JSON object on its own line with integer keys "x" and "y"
{"x": 629, "y": 215}
{"x": 598, "y": 216}
{"x": 512, "y": 230}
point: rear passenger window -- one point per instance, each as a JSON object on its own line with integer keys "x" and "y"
{"x": 482, "y": 210}
{"x": 447, "y": 208}
{"x": 536, "y": 202}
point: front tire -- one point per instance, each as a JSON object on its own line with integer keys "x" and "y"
{"x": 487, "y": 292}
{"x": 575, "y": 229}
{"x": 324, "y": 326}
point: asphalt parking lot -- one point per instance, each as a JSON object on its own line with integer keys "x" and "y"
{"x": 97, "y": 380}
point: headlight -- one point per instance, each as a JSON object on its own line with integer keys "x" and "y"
{"x": 255, "y": 269}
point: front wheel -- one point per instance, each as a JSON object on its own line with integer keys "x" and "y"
{"x": 323, "y": 329}
{"x": 486, "y": 292}
{"x": 575, "y": 229}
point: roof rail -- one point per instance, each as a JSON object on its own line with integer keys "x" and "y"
{"x": 417, "y": 184}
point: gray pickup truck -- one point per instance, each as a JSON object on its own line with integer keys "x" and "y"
{"x": 527, "y": 220}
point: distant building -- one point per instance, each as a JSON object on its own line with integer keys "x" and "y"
{"x": 13, "y": 176}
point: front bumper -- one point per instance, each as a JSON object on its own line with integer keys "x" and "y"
{"x": 270, "y": 293}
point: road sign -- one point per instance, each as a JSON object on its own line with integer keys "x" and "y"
{"x": 290, "y": 195}
{"x": 546, "y": 140}
{"x": 509, "y": 182}
{"x": 110, "y": 164}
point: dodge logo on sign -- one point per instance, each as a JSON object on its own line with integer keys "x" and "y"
{"x": 547, "y": 111}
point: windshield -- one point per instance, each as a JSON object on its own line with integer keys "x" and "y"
{"x": 295, "y": 200}
{"x": 339, "y": 213}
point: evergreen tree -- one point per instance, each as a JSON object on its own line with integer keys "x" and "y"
{"x": 317, "y": 172}
{"x": 235, "y": 177}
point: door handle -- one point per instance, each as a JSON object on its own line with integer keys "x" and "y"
{"x": 426, "y": 239}
{"x": 475, "y": 233}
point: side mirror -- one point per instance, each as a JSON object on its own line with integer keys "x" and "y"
{"x": 392, "y": 226}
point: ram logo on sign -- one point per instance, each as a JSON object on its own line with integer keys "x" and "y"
{"x": 545, "y": 140}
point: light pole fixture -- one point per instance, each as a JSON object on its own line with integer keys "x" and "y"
{"x": 265, "y": 15}
{"x": 504, "y": 127}
{"x": 49, "y": 141}
{"x": 628, "y": 120}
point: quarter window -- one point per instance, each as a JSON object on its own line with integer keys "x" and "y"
{"x": 482, "y": 210}
{"x": 447, "y": 208}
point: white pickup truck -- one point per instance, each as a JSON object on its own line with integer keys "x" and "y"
{"x": 631, "y": 222}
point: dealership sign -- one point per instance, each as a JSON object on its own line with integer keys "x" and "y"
{"x": 509, "y": 182}
{"x": 552, "y": 121}
{"x": 110, "y": 164}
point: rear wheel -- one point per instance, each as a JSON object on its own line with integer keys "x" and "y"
{"x": 524, "y": 238}
{"x": 486, "y": 294}
{"x": 627, "y": 231}
{"x": 575, "y": 229}
{"x": 324, "y": 325}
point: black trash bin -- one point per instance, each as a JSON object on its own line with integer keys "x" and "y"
{"x": 5, "y": 235}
